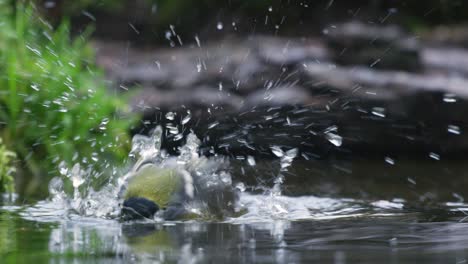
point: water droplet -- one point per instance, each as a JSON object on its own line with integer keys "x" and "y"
{"x": 393, "y": 242}
{"x": 212, "y": 125}
{"x": 450, "y": 98}
{"x": 168, "y": 35}
{"x": 172, "y": 129}
{"x": 454, "y": 129}
{"x": 288, "y": 157}
{"x": 251, "y": 160}
{"x": 276, "y": 190}
{"x": 459, "y": 197}
{"x": 198, "y": 41}
{"x": 103, "y": 124}
{"x": 34, "y": 50}
{"x": 374, "y": 63}
{"x": 390, "y": 160}
{"x": 334, "y": 139}
{"x": 241, "y": 187}
{"x": 190, "y": 150}
{"x": 187, "y": 118}
{"x": 144, "y": 147}
{"x": 76, "y": 176}
{"x": 277, "y": 151}
{"x": 378, "y": 111}
{"x": 330, "y": 129}
{"x": 178, "y": 137}
{"x": 225, "y": 178}
{"x": 435, "y": 156}
{"x": 63, "y": 169}
{"x": 170, "y": 116}
{"x": 55, "y": 186}
{"x": 35, "y": 87}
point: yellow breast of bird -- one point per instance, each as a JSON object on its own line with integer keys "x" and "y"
{"x": 155, "y": 184}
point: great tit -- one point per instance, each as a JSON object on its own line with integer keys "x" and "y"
{"x": 151, "y": 189}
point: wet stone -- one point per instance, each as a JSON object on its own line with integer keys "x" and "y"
{"x": 386, "y": 91}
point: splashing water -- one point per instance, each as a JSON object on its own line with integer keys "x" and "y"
{"x": 206, "y": 180}
{"x": 286, "y": 159}
{"x": 207, "y": 174}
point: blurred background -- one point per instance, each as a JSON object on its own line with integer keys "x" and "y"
{"x": 376, "y": 82}
{"x": 347, "y": 82}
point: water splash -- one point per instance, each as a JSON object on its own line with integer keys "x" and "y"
{"x": 251, "y": 161}
{"x": 206, "y": 180}
{"x": 187, "y": 118}
{"x": 334, "y": 139}
{"x": 453, "y": 129}
{"x": 170, "y": 116}
{"x": 274, "y": 205}
{"x": 203, "y": 177}
{"x": 262, "y": 208}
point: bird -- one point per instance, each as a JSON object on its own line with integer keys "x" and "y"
{"x": 149, "y": 190}
{"x": 168, "y": 190}
{"x": 188, "y": 186}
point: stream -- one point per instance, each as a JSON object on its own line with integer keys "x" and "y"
{"x": 407, "y": 212}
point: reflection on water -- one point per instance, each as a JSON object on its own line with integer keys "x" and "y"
{"x": 399, "y": 238}
{"x": 276, "y": 229}
{"x": 370, "y": 212}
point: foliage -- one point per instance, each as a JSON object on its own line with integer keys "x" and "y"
{"x": 54, "y": 104}
{"x": 6, "y": 169}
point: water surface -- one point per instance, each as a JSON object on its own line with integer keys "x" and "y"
{"x": 276, "y": 230}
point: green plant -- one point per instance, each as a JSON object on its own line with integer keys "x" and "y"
{"x": 6, "y": 169}
{"x": 54, "y": 103}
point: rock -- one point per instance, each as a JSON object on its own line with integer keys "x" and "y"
{"x": 386, "y": 85}
{"x": 447, "y": 35}
{"x": 446, "y": 61}
{"x": 245, "y": 96}
{"x": 374, "y": 46}
{"x": 284, "y": 95}
{"x": 230, "y": 64}
{"x": 286, "y": 52}
{"x": 149, "y": 100}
